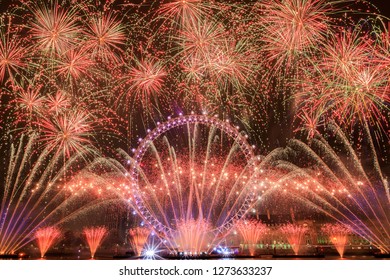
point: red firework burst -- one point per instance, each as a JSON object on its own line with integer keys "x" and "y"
{"x": 183, "y": 12}
{"x": 58, "y": 102}
{"x": 74, "y": 63}
{"x": 46, "y": 237}
{"x": 199, "y": 38}
{"x": 11, "y": 57}
{"x": 68, "y": 132}
{"x": 54, "y": 28}
{"x": 30, "y": 100}
{"x": 291, "y": 27}
{"x": 146, "y": 78}
{"x": 105, "y": 36}
{"x": 349, "y": 84}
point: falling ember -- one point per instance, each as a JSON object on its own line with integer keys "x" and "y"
{"x": 94, "y": 237}
{"x": 338, "y": 235}
{"x": 251, "y": 231}
{"x": 138, "y": 238}
{"x": 46, "y": 237}
{"x": 294, "y": 234}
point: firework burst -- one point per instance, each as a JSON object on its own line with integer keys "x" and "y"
{"x": 68, "y": 132}
{"x": 82, "y": 75}
{"x": 12, "y": 53}
{"x": 353, "y": 194}
{"x": 138, "y": 238}
{"x": 291, "y": 28}
{"x": 183, "y": 12}
{"x": 58, "y": 102}
{"x": 251, "y": 232}
{"x": 193, "y": 236}
{"x": 294, "y": 234}
{"x": 94, "y": 237}
{"x": 144, "y": 81}
{"x": 105, "y": 37}
{"x": 30, "y": 103}
{"x": 349, "y": 85}
{"x": 54, "y": 28}
{"x": 198, "y": 39}
{"x": 74, "y": 63}
{"x": 338, "y": 235}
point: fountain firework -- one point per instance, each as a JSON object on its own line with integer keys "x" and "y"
{"x": 138, "y": 238}
{"x": 338, "y": 235}
{"x": 94, "y": 237}
{"x": 189, "y": 192}
{"x": 193, "y": 237}
{"x": 46, "y": 237}
{"x": 337, "y": 182}
{"x": 37, "y": 192}
{"x": 295, "y": 235}
{"x": 251, "y": 231}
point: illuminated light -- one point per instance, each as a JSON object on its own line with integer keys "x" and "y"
{"x": 150, "y": 254}
{"x": 46, "y": 237}
{"x": 94, "y": 237}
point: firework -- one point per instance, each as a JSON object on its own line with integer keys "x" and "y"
{"x": 30, "y": 100}
{"x": 58, "y": 102}
{"x": 46, "y": 237}
{"x": 34, "y": 187}
{"x": 67, "y": 133}
{"x": 208, "y": 186}
{"x": 74, "y": 63}
{"x": 54, "y": 28}
{"x": 89, "y": 78}
{"x": 252, "y": 232}
{"x": 291, "y": 28}
{"x": 105, "y": 37}
{"x": 295, "y": 235}
{"x": 183, "y": 12}
{"x": 199, "y": 39}
{"x": 193, "y": 236}
{"x": 349, "y": 85}
{"x": 144, "y": 81}
{"x": 12, "y": 53}
{"x": 338, "y": 235}
{"x": 139, "y": 237}
{"x": 95, "y": 237}
{"x": 351, "y": 193}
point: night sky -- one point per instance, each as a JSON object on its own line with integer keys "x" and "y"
{"x": 383, "y": 6}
